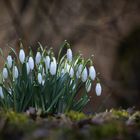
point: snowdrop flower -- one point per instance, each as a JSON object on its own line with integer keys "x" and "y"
{"x": 92, "y": 72}
{"x": 53, "y": 67}
{"x": 88, "y": 86}
{"x": 69, "y": 54}
{"x": 5, "y": 73}
{"x": 71, "y": 72}
{"x": 43, "y": 82}
{"x": 98, "y": 89}
{"x": 47, "y": 61}
{"x": 21, "y": 56}
{"x": 38, "y": 58}
{"x": 31, "y": 63}
{"x": 1, "y": 93}
{"x": 39, "y": 77}
{"x": 84, "y": 74}
{"x": 9, "y": 61}
{"x": 15, "y": 72}
{"x": 78, "y": 73}
{"x": 27, "y": 68}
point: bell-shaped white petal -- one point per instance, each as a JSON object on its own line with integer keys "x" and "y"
{"x": 9, "y": 61}
{"x": 71, "y": 72}
{"x": 15, "y": 72}
{"x": 69, "y": 54}
{"x": 53, "y": 67}
{"x": 92, "y": 73}
{"x": 31, "y": 63}
{"x": 27, "y": 68}
{"x": 98, "y": 89}
{"x": 88, "y": 86}
{"x": 1, "y": 93}
{"x": 47, "y": 61}
{"x": 84, "y": 75}
{"x": 78, "y": 73}
{"x": 38, "y": 58}
{"x": 39, "y": 77}
{"x": 22, "y": 56}
{"x": 5, "y": 73}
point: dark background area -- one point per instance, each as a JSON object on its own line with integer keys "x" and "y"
{"x": 109, "y": 29}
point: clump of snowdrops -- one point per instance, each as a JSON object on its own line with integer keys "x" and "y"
{"x": 44, "y": 82}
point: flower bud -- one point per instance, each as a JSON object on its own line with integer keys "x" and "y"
{"x": 38, "y": 58}
{"x": 9, "y": 61}
{"x": 84, "y": 74}
{"x": 88, "y": 86}
{"x": 15, "y": 72}
{"x": 98, "y": 89}
{"x": 31, "y": 63}
{"x": 27, "y": 68}
{"x": 1, "y": 93}
{"x": 39, "y": 77}
{"x": 5, "y": 73}
{"x": 69, "y": 54}
{"x": 92, "y": 73}
{"x": 22, "y": 56}
{"x": 53, "y": 67}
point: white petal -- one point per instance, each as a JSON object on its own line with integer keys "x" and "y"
{"x": 69, "y": 54}
{"x": 31, "y": 63}
{"x": 1, "y": 93}
{"x": 15, "y": 72}
{"x": 53, "y": 67}
{"x": 92, "y": 72}
{"x": 9, "y": 61}
{"x": 5, "y": 73}
{"x": 22, "y": 56}
{"x": 84, "y": 74}
{"x": 47, "y": 62}
{"x": 39, "y": 77}
{"x": 27, "y": 68}
{"x": 98, "y": 89}
{"x": 71, "y": 72}
{"x": 38, "y": 58}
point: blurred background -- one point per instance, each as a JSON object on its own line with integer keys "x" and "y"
{"x": 109, "y": 29}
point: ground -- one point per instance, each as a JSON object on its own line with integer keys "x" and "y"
{"x": 108, "y": 125}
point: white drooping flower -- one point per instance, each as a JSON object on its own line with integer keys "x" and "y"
{"x": 39, "y": 77}
{"x": 84, "y": 75}
{"x": 43, "y": 82}
{"x": 92, "y": 73}
{"x": 98, "y": 89}
{"x": 5, "y": 73}
{"x": 71, "y": 72}
{"x": 31, "y": 63}
{"x": 38, "y": 58}
{"x": 22, "y": 56}
{"x": 9, "y": 61}
{"x": 53, "y": 67}
{"x": 88, "y": 86}
{"x": 78, "y": 73}
{"x": 1, "y": 93}
{"x": 15, "y": 72}
{"x": 47, "y": 61}
{"x": 69, "y": 54}
{"x": 27, "y": 68}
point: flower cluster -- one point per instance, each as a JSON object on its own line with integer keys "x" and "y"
{"x": 46, "y": 83}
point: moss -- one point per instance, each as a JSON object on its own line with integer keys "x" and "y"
{"x": 76, "y": 116}
{"x": 120, "y": 113}
{"x": 16, "y": 118}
